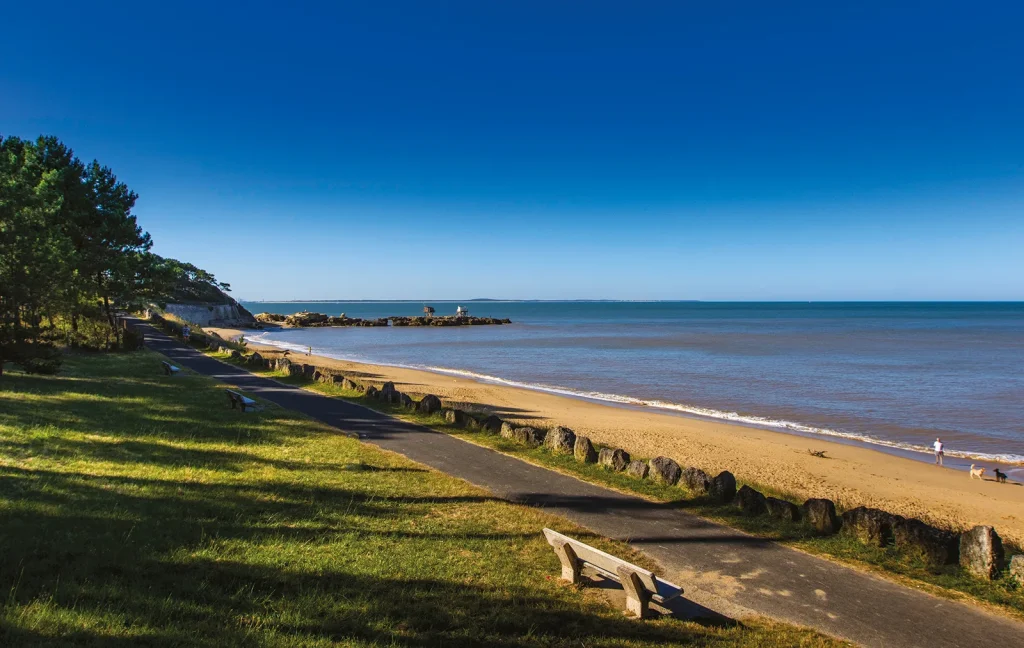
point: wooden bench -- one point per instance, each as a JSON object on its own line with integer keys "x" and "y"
{"x": 169, "y": 369}
{"x": 242, "y": 403}
{"x": 641, "y": 586}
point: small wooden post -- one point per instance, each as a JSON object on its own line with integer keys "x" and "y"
{"x": 637, "y": 597}
{"x": 570, "y": 563}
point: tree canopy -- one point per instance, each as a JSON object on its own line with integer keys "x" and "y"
{"x": 72, "y": 254}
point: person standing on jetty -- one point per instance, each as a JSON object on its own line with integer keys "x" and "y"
{"x": 938, "y": 451}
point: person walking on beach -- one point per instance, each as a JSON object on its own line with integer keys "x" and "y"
{"x": 938, "y": 451}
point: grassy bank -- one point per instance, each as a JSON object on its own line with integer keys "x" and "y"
{"x": 137, "y": 509}
{"x": 948, "y": 581}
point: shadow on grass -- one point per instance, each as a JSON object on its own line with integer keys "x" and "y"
{"x": 87, "y": 547}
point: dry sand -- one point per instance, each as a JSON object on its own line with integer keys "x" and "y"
{"x": 851, "y": 475}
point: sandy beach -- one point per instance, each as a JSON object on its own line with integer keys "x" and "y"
{"x": 850, "y": 475}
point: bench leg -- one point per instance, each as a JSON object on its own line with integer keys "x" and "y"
{"x": 637, "y": 597}
{"x": 570, "y": 563}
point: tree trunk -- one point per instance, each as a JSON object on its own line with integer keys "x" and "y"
{"x": 108, "y": 311}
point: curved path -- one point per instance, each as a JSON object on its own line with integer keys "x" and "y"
{"x": 720, "y": 568}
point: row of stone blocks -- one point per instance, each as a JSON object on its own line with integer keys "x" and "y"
{"x": 979, "y": 550}
{"x": 429, "y": 404}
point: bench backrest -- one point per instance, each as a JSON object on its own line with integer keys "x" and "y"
{"x": 609, "y": 565}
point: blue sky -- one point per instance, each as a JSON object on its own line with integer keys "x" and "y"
{"x": 550, "y": 150}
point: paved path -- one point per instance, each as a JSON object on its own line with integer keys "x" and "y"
{"x": 718, "y": 567}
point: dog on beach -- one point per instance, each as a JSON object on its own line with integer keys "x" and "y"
{"x": 977, "y": 472}
{"x": 1000, "y": 476}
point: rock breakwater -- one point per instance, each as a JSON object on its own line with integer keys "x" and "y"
{"x": 309, "y": 320}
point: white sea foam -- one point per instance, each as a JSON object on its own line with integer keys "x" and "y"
{"x": 704, "y": 412}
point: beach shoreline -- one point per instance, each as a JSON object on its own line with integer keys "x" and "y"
{"x": 853, "y": 474}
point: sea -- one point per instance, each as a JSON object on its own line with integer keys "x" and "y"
{"x": 893, "y": 376}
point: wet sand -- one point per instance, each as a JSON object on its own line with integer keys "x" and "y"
{"x": 851, "y": 475}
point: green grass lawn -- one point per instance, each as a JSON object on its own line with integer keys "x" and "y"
{"x": 138, "y": 509}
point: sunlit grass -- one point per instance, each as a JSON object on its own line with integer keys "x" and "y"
{"x": 137, "y": 508}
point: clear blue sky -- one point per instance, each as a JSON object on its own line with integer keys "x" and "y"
{"x": 669, "y": 150}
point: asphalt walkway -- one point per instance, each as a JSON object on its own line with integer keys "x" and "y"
{"x": 720, "y": 568}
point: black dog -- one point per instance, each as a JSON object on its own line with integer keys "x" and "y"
{"x": 1000, "y": 476}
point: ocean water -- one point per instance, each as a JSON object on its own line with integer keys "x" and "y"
{"x": 894, "y": 375}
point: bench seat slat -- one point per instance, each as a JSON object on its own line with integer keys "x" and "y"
{"x": 169, "y": 369}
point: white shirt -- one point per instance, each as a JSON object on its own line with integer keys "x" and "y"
{"x": 938, "y": 446}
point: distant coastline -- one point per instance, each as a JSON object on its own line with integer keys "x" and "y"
{"x": 467, "y": 301}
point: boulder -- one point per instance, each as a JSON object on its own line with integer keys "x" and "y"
{"x": 560, "y": 440}
{"x": 455, "y": 417}
{"x": 722, "y": 488}
{"x": 406, "y": 402}
{"x": 871, "y": 526}
{"x": 429, "y": 404}
{"x": 308, "y": 370}
{"x": 508, "y": 430}
{"x": 472, "y": 423}
{"x": 937, "y": 547}
{"x": 665, "y": 471}
{"x": 637, "y": 468}
{"x": 750, "y": 501}
{"x": 696, "y": 480}
{"x": 821, "y": 514}
{"x": 981, "y": 552}
{"x": 294, "y": 370}
{"x": 389, "y": 393}
{"x": 1017, "y": 569}
{"x": 350, "y": 385}
{"x": 781, "y": 509}
{"x": 234, "y": 354}
{"x": 317, "y": 375}
{"x": 614, "y": 458}
{"x": 256, "y": 358}
{"x": 338, "y": 379}
{"x": 528, "y": 436}
{"x": 491, "y": 424}
{"x": 584, "y": 451}
{"x": 372, "y": 392}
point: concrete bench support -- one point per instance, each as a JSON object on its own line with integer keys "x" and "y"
{"x": 638, "y": 599}
{"x": 571, "y": 566}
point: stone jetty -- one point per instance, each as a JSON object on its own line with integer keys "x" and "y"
{"x": 309, "y": 320}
